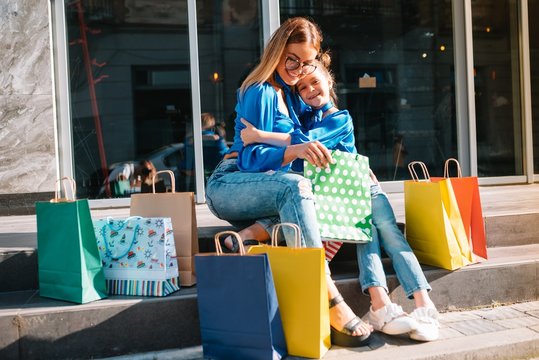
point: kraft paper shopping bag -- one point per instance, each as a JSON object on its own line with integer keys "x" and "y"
{"x": 300, "y": 281}
{"x": 466, "y": 191}
{"x": 434, "y": 227}
{"x": 180, "y": 207}
{"x": 237, "y": 305}
{"x": 69, "y": 266}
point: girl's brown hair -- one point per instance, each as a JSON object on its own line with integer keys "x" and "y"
{"x": 293, "y": 31}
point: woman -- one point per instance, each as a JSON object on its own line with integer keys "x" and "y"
{"x": 334, "y": 128}
{"x": 253, "y": 182}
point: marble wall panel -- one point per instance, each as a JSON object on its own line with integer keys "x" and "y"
{"x": 24, "y": 40}
{"x": 27, "y": 144}
{"x": 27, "y": 151}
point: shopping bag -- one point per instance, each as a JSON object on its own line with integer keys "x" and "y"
{"x": 121, "y": 186}
{"x": 331, "y": 248}
{"x": 300, "y": 281}
{"x": 434, "y": 227}
{"x": 180, "y": 207}
{"x": 466, "y": 191}
{"x": 138, "y": 255}
{"x": 237, "y": 306}
{"x": 69, "y": 267}
{"x": 342, "y": 197}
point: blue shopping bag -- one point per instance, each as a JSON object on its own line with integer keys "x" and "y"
{"x": 237, "y": 304}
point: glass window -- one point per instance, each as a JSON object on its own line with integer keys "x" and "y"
{"x": 229, "y": 39}
{"x": 405, "y": 109}
{"x": 130, "y": 93}
{"x": 497, "y": 87}
{"x": 533, "y": 9}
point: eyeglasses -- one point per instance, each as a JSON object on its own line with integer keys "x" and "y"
{"x": 292, "y": 64}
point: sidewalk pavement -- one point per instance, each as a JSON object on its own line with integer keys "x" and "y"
{"x": 496, "y": 332}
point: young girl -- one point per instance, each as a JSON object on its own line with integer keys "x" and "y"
{"x": 334, "y": 129}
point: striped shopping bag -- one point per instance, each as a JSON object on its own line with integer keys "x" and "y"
{"x": 138, "y": 255}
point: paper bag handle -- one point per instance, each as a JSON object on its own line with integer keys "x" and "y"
{"x": 297, "y": 234}
{"x": 218, "y": 247}
{"x": 446, "y": 167}
{"x": 58, "y": 189}
{"x": 172, "y": 179}
{"x": 413, "y": 173}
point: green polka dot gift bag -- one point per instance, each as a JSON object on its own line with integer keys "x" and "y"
{"x": 342, "y": 197}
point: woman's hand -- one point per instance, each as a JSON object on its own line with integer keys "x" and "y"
{"x": 250, "y": 134}
{"x": 314, "y": 152}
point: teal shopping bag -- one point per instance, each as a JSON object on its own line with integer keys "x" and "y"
{"x": 69, "y": 265}
{"x": 342, "y": 197}
{"x": 121, "y": 187}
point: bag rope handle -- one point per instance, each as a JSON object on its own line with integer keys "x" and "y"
{"x": 413, "y": 173}
{"x": 110, "y": 223}
{"x": 172, "y": 179}
{"x": 446, "y": 167}
{"x": 297, "y": 234}
{"x": 218, "y": 247}
{"x": 58, "y": 189}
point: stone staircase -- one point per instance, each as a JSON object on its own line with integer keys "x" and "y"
{"x": 32, "y": 327}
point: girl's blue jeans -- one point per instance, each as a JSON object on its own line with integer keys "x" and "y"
{"x": 386, "y": 234}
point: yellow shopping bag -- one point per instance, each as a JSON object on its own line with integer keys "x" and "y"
{"x": 300, "y": 282}
{"x": 434, "y": 227}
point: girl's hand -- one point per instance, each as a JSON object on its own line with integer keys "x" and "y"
{"x": 314, "y": 152}
{"x": 250, "y": 134}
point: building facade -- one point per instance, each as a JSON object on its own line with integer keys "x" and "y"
{"x": 92, "y": 88}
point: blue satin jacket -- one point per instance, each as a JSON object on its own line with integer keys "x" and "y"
{"x": 259, "y": 105}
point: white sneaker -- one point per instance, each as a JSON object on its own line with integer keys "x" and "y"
{"x": 428, "y": 329}
{"x": 391, "y": 320}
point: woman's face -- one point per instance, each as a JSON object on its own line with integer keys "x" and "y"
{"x": 314, "y": 89}
{"x": 302, "y": 56}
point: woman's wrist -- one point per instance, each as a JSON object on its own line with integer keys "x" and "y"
{"x": 290, "y": 154}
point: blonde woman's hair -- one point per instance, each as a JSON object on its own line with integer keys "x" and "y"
{"x": 295, "y": 30}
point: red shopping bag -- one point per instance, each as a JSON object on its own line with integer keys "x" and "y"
{"x": 466, "y": 191}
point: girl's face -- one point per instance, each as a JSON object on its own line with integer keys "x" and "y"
{"x": 297, "y": 60}
{"x": 314, "y": 89}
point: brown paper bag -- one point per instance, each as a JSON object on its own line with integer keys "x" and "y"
{"x": 180, "y": 207}
{"x": 367, "y": 81}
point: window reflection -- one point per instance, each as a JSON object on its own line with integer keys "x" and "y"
{"x": 229, "y": 33}
{"x": 130, "y": 93}
{"x": 497, "y": 94}
{"x": 405, "y": 109}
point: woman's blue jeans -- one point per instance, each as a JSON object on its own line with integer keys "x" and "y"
{"x": 386, "y": 234}
{"x": 238, "y": 196}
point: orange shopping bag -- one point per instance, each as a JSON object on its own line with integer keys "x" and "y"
{"x": 466, "y": 191}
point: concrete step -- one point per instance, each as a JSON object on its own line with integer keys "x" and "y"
{"x": 35, "y": 327}
{"x": 18, "y": 259}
